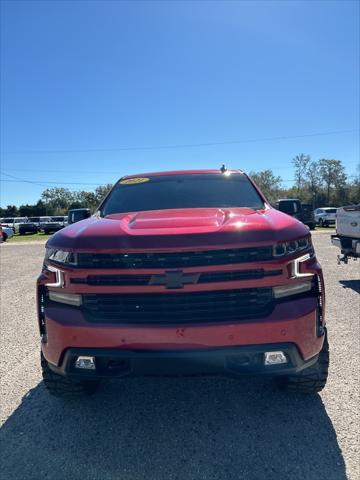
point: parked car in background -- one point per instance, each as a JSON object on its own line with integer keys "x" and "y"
{"x": 347, "y": 236}
{"x": 16, "y": 223}
{"x": 7, "y": 222}
{"x": 7, "y": 232}
{"x": 294, "y": 207}
{"x": 35, "y": 220}
{"x": 52, "y": 224}
{"x": 325, "y": 216}
{"x": 43, "y": 221}
{"x": 77, "y": 214}
{"x": 308, "y": 217}
{"x": 23, "y": 226}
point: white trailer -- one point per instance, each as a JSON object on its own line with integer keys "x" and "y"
{"x": 347, "y": 236}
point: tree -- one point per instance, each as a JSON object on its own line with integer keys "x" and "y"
{"x": 57, "y": 199}
{"x": 102, "y": 191}
{"x": 26, "y": 210}
{"x": 9, "y": 211}
{"x": 301, "y": 164}
{"x": 269, "y": 184}
{"x": 85, "y": 200}
{"x": 37, "y": 210}
{"x": 333, "y": 175}
{"x": 354, "y": 187}
{"x": 313, "y": 180}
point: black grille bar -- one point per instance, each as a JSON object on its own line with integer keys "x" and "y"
{"x": 191, "y": 307}
{"x": 143, "y": 280}
{"x": 174, "y": 259}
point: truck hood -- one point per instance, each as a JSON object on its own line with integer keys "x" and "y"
{"x": 181, "y": 228}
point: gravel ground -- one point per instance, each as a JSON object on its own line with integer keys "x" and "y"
{"x": 208, "y": 428}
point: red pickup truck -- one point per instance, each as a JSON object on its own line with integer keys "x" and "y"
{"x": 182, "y": 273}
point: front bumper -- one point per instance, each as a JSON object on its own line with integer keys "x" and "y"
{"x": 293, "y": 322}
{"x": 230, "y": 361}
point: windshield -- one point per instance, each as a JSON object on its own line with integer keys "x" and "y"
{"x": 181, "y": 191}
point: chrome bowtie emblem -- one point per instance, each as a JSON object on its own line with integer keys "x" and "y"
{"x": 174, "y": 279}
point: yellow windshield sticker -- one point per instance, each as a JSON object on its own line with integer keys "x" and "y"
{"x": 133, "y": 181}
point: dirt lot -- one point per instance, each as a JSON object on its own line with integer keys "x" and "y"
{"x": 208, "y": 428}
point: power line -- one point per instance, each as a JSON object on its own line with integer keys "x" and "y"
{"x": 44, "y": 183}
{"x": 177, "y": 146}
{"x": 21, "y": 180}
{"x": 95, "y": 172}
{"x": 48, "y": 183}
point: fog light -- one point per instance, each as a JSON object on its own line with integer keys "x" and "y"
{"x": 68, "y": 298}
{"x": 274, "y": 358}
{"x": 87, "y": 363}
{"x": 291, "y": 289}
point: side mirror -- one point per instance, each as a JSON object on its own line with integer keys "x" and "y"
{"x": 78, "y": 214}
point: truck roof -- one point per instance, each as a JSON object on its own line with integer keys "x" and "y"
{"x": 180, "y": 172}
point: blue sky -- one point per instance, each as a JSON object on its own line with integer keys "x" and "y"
{"x": 88, "y": 86}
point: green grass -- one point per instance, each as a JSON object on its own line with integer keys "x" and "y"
{"x": 29, "y": 237}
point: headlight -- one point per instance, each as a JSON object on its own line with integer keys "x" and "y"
{"x": 61, "y": 256}
{"x": 294, "y": 246}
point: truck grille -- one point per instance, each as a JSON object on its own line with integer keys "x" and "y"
{"x": 174, "y": 259}
{"x": 178, "y": 308}
{"x": 143, "y": 280}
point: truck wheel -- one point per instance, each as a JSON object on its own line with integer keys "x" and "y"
{"x": 312, "y": 226}
{"x": 4, "y": 237}
{"x": 64, "y": 387}
{"x": 312, "y": 379}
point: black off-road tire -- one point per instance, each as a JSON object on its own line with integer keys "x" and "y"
{"x": 312, "y": 379}
{"x": 4, "y": 237}
{"x": 64, "y": 387}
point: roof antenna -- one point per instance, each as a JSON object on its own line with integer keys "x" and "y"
{"x": 223, "y": 169}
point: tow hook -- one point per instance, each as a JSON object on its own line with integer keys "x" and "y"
{"x": 344, "y": 259}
